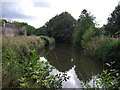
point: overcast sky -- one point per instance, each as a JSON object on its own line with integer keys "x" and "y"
{"x": 38, "y": 12}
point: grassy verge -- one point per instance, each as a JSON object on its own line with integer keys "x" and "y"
{"x": 22, "y": 67}
{"x": 22, "y": 45}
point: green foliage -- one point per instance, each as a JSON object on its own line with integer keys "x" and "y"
{"x": 61, "y": 27}
{"x": 24, "y": 27}
{"x": 30, "y": 30}
{"x": 49, "y": 41}
{"x": 19, "y": 24}
{"x": 30, "y": 73}
{"x": 107, "y": 49}
{"x": 41, "y": 31}
{"x": 88, "y": 35}
{"x": 113, "y": 24}
{"x": 113, "y": 54}
{"x": 9, "y": 66}
{"x": 104, "y": 48}
{"x": 22, "y": 67}
{"x": 108, "y": 79}
{"x": 22, "y": 45}
{"x": 35, "y": 74}
{"x": 84, "y": 22}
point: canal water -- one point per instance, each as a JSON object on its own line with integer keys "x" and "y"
{"x": 70, "y": 60}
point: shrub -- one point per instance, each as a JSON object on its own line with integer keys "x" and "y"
{"x": 108, "y": 79}
{"x": 48, "y": 40}
{"x": 30, "y": 73}
{"x": 104, "y": 48}
{"x": 88, "y": 35}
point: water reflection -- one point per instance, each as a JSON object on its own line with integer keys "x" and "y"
{"x": 67, "y": 59}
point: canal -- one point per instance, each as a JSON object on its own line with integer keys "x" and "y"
{"x": 70, "y": 60}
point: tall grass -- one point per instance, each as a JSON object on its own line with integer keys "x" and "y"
{"x": 22, "y": 44}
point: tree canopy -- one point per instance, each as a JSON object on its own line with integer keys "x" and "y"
{"x": 113, "y": 25}
{"x": 84, "y": 22}
{"x": 60, "y": 27}
{"x": 30, "y": 30}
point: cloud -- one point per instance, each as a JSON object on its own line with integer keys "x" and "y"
{"x": 37, "y": 12}
{"x": 11, "y": 10}
{"x": 41, "y": 4}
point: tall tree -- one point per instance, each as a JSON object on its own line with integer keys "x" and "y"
{"x": 113, "y": 25}
{"x": 84, "y": 22}
{"x": 61, "y": 27}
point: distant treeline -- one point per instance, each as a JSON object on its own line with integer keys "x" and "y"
{"x": 64, "y": 28}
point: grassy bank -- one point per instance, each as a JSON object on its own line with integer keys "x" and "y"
{"x": 23, "y": 44}
{"x": 21, "y": 67}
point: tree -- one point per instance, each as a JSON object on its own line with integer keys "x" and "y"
{"x": 30, "y": 30}
{"x": 41, "y": 31}
{"x": 61, "y": 27}
{"x": 88, "y": 35}
{"x": 113, "y": 25}
{"x": 84, "y": 22}
{"x": 20, "y": 24}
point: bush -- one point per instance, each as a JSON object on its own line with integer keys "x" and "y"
{"x": 48, "y": 40}
{"x": 104, "y": 48}
{"x": 108, "y": 79}
{"x": 88, "y": 35}
{"x": 30, "y": 73}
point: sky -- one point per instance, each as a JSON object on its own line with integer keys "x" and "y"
{"x": 38, "y": 12}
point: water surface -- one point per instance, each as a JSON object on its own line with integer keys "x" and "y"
{"x": 67, "y": 59}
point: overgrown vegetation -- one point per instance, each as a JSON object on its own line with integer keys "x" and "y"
{"x": 108, "y": 79}
{"x": 49, "y": 41}
{"x": 22, "y": 67}
{"x": 23, "y": 44}
{"x": 102, "y": 43}
{"x": 29, "y": 73}
{"x": 105, "y": 49}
